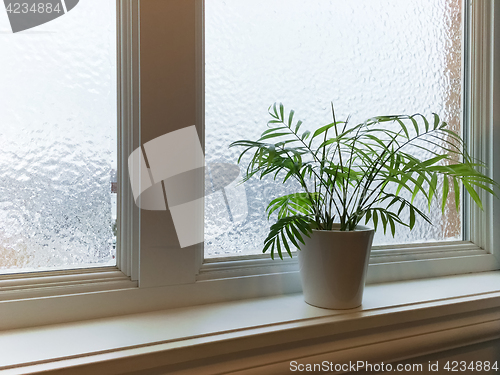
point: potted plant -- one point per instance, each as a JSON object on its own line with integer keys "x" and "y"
{"x": 352, "y": 175}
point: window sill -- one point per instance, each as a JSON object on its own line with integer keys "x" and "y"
{"x": 397, "y": 320}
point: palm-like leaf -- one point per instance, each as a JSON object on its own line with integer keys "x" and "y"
{"x": 350, "y": 173}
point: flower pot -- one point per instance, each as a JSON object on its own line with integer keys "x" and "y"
{"x": 333, "y": 267}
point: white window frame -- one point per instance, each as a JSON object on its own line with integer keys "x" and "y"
{"x": 154, "y": 273}
{"x": 399, "y": 262}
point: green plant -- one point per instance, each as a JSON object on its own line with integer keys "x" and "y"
{"x": 350, "y": 173}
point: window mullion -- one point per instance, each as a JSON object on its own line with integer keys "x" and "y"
{"x": 129, "y": 134}
{"x": 479, "y": 133}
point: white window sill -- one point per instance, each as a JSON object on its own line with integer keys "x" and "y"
{"x": 397, "y": 320}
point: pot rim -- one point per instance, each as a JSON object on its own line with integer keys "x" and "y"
{"x": 359, "y": 228}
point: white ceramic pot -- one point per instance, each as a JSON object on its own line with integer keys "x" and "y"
{"x": 333, "y": 267}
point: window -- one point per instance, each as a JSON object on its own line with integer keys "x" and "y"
{"x": 58, "y": 140}
{"x": 368, "y": 57}
{"x": 229, "y": 65}
{"x": 161, "y": 89}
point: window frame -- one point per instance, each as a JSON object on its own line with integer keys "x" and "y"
{"x": 156, "y": 275}
{"x": 479, "y": 251}
{"x": 129, "y": 133}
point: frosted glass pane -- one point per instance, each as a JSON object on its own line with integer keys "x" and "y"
{"x": 58, "y": 141}
{"x": 370, "y": 57}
